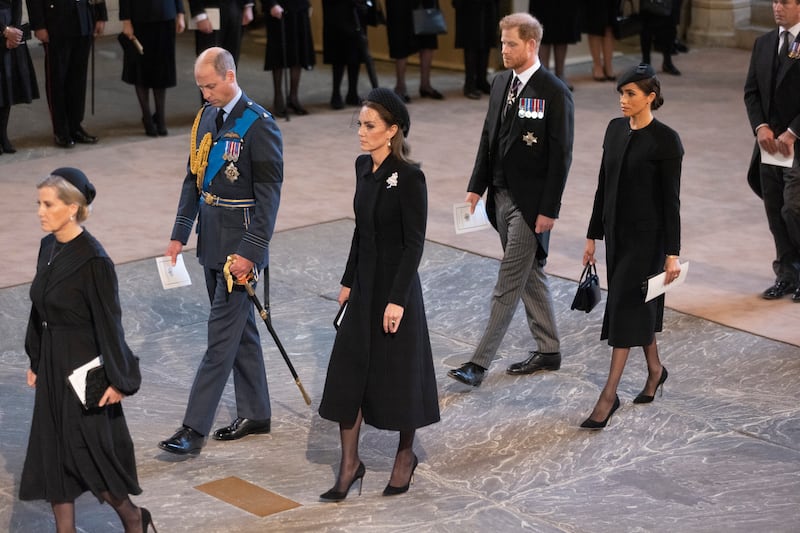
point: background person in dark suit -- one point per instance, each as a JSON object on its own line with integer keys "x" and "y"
{"x": 236, "y": 203}
{"x": 523, "y": 159}
{"x": 637, "y": 210}
{"x": 67, "y": 28}
{"x": 772, "y": 99}
{"x": 233, "y": 14}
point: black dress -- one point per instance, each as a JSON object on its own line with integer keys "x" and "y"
{"x": 597, "y": 15}
{"x": 343, "y": 31}
{"x": 637, "y": 210}
{"x": 476, "y": 24}
{"x": 75, "y": 317}
{"x": 400, "y": 29}
{"x": 289, "y": 40}
{"x": 560, "y": 20}
{"x": 17, "y": 76}
{"x": 154, "y": 26}
{"x": 390, "y": 377}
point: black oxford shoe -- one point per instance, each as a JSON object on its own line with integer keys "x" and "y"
{"x": 63, "y": 141}
{"x": 468, "y": 374}
{"x": 779, "y": 290}
{"x": 535, "y": 362}
{"x": 80, "y": 136}
{"x": 183, "y": 442}
{"x": 241, "y": 427}
{"x": 796, "y": 296}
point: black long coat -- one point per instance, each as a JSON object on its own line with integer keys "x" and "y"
{"x": 637, "y": 211}
{"x": 390, "y": 377}
{"x": 74, "y": 318}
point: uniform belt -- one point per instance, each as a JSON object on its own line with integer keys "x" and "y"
{"x": 216, "y": 201}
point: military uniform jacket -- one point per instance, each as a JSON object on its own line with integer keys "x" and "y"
{"x": 538, "y": 155}
{"x": 227, "y": 230}
{"x": 65, "y": 18}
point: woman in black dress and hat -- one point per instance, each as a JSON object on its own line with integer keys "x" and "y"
{"x": 76, "y": 317}
{"x": 637, "y": 211}
{"x": 381, "y": 367}
{"x": 17, "y": 77}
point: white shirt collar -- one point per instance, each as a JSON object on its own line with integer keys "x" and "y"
{"x": 526, "y": 74}
{"x": 227, "y": 108}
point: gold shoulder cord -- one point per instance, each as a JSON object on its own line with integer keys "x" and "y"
{"x": 198, "y": 157}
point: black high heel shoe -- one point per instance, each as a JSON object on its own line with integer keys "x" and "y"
{"x": 334, "y": 495}
{"x": 394, "y": 491}
{"x": 646, "y": 398}
{"x": 147, "y": 521}
{"x": 297, "y": 108}
{"x": 594, "y": 424}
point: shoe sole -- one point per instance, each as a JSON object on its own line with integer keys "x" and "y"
{"x": 193, "y": 451}
{"x": 259, "y": 432}
{"x": 518, "y": 373}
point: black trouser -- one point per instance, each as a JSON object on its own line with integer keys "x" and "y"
{"x": 66, "y": 61}
{"x": 780, "y": 188}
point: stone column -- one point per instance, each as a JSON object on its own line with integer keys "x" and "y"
{"x": 714, "y": 22}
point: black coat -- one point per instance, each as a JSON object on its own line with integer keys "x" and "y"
{"x": 65, "y": 18}
{"x": 535, "y": 170}
{"x": 390, "y": 377}
{"x": 74, "y": 318}
{"x": 637, "y": 210}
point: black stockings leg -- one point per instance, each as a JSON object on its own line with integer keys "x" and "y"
{"x": 64, "y": 513}
{"x": 160, "y": 97}
{"x": 404, "y": 460}
{"x": 6, "y": 144}
{"x": 353, "y": 70}
{"x": 130, "y": 515}
{"x": 349, "y": 464}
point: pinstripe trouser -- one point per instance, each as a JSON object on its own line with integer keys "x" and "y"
{"x": 520, "y": 276}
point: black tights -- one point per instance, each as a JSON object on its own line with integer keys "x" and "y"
{"x": 4, "y": 112}
{"x": 129, "y": 514}
{"x": 159, "y": 97}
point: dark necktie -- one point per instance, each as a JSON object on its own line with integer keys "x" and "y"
{"x": 220, "y": 118}
{"x": 512, "y": 95}
{"x": 783, "y": 54}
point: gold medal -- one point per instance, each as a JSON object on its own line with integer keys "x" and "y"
{"x": 530, "y": 139}
{"x": 231, "y": 172}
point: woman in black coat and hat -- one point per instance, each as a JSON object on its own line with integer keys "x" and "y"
{"x": 381, "y": 366}
{"x": 637, "y": 211}
{"x": 76, "y": 317}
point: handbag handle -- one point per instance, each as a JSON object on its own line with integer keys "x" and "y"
{"x": 588, "y": 270}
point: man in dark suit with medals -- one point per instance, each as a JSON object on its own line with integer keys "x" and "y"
{"x": 523, "y": 159}
{"x": 772, "y": 99}
{"x": 232, "y": 188}
{"x": 67, "y": 29}
{"x": 233, "y": 14}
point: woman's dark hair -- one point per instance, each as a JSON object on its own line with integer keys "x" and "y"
{"x": 652, "y": 85}
{"x": 400, "y": 148}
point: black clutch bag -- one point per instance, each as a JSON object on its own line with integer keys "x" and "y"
{"x": 340, "y": 315}
{"x": 96, "y": 385}
{"x": 588, "y": 294}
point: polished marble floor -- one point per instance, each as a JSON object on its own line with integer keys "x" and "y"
{"x": 718, "y": 452}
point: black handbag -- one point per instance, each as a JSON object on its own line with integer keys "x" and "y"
{"x": 96, "y": 385}
{"x": 588, "y": 294}
{"x": 374, "y": 13}
{"x": 626, "y": 24}
{"x": 661, "y": 8}
{"x": 429, "y": 21}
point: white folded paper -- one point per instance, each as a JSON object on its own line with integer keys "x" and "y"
{"x": 465, "y": 222}
{"x": 77, "y": 379}
{"x": 657, "y": 287}
{"x": 777, "y": 159}
{"x": 172, "y": 276}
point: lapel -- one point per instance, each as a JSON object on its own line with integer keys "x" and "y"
{"x": 786, "y": 66}
{"x": 497, "y": 100}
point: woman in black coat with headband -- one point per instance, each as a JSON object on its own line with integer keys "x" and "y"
{"x": 381, "y": 368}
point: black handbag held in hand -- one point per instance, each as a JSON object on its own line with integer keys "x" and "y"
{"x": 429, "y": 21}
{"x": 588, "y": 294}
{"x": 626, "y": 24}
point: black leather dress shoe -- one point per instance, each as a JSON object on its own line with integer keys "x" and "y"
{"x": 183, "y": 442}
{"x": 63, "y": 141}
{"x": 669, "y": 68}
{"x": 80, "y": 136}
{"x": 535, "y": 362}
{"x": 468, "y": 374}
{"x": 241, "y": 427}
{"x": 779, "y": 290}
{"x": 796, "y": 296}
